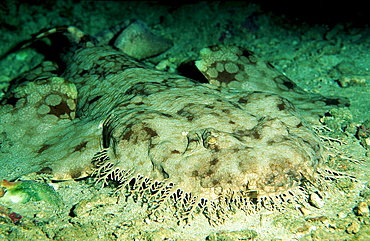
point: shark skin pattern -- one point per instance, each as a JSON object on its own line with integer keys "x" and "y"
{"x": 179, "y": 145}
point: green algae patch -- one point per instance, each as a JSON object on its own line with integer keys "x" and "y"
{"x": 27, "y": 191}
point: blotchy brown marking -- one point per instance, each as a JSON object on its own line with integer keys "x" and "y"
{"x": 281, "y": 106}
{"x": 215, "y": 182}
{"x": 127, "y": 135}
{"x": 152, "y": 133}
{"x": 227, "y": 111}
{"x": 195, "y": 173}
{"x": 186, "y": 114}
{"x": 214, "y": 162}
{"x": 75, "y": 173}
{"x": 285, "y": 81}
{"x": 60, "y": 109}
{"x": 81, "y": 146}
{"x": 43, "y": 148}
{"x": 45, "y": 170}
{"x": 209, "y": 172}
{"x": 243, "y": 100}
{"x": 239, "y": 134}
{"x": 167, "y": 115}
{"x": 226, "y": 77}
{"x": 96, "y": 98}
{"x": 209, "y": 106}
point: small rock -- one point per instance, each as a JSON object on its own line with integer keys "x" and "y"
{"x": 352, "y": 80}
{"x": 342, "y": 215}
{"x": 304, "y": 211}
{"x": 362, "y": 209}
{"x": 316, "y": 201}
{"x": 139, "y": 42}
{"x": 353, "y": 228}
{"x": 234, "y": 235}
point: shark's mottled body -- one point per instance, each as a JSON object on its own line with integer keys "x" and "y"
{"x": 169, "y": 140}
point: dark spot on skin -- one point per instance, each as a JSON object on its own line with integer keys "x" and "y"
{"x": 60, "y": 109}
{"x": 299, "y": 125}
{"x": 45, "y": 170}
{"x": 231, "y": 122}
{"x": 195, "y": 173}
{"x": 239, "y": 134}
{"x": 215, "y": 182}
{"x": 209, "y": 106}
{"x": 124, "y": 105}
{"x": 281, "y": 106}
{"x": 43, "y": 148}
{"x": 80, "y": 146}
{"x": 255, "y": 134}
{"x": 209, "y": 173}
{"x": 186, "y": 114}
{"x": 214, "y": 162}
{"x": 75, "y": 173}
{"x": 182, "y": 112}
{"x": 175, "y": 152}
{"x": 140, "y": 89}
{"x": 270, "y": 66}
{"x": 289, "y": 85}
{"x": 253, "y": 195}
{"x": 96, "y": 98}
{"x": 285, "y": 81}
{"x": 226, "y": 111}
{"x": 150, "y": 131}
{"x": 332, "y": 101}
{"x": 140, "y": 103}
{"x": 167, "y": 115}
{"x": 226, "y": 77}
{"x": 243, "y": 100}
{"x": 190, "y": 118}
{"x": 127, "y": 135}
{"x": 271, "y": 142}
{"x": 215, "y": 148}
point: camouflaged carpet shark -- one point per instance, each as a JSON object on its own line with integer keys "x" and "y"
{"x": 182, "y": 147}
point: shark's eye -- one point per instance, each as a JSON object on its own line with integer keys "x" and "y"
{"x": 209, "y": 138}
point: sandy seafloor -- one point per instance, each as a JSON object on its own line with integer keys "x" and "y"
{"x": 325, "y": 51}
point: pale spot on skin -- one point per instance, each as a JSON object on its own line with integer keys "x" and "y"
{"x": 43, "y": 110}
{"x": 212, "y": 72}
{"x": 53, "y": 100}
{"x": 220, "y": 67}
{"x": 231, "y": 68}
